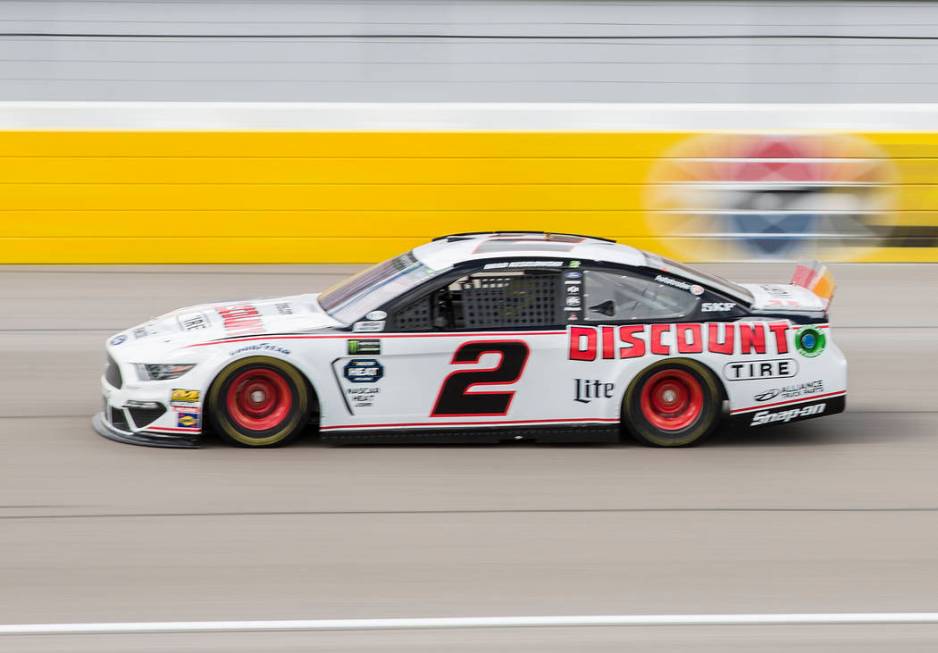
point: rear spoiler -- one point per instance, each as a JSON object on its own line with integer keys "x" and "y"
{"x": 817, "y": 278}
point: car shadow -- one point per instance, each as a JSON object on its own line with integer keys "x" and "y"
{"x": 844, "y": 429}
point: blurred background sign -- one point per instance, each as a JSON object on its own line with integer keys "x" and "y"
{"x": 756, "y": 196}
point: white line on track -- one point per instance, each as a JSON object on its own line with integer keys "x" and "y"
{"x": 463, "y": 116}
{"x": 769, "y": 619}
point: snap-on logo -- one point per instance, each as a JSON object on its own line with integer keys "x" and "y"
{"x": 783, "y": 416}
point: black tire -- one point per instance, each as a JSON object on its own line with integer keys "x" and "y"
{"x": 654, "y": 422}
{"x": 259, "y": 402}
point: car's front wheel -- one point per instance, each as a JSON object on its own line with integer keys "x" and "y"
{"x": 259, "y": 402}
{"x": 673, "y": 403}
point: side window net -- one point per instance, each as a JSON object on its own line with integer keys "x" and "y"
{"x": 415, "y": 317}
{"x": 487, "y": 300}
{"x": 510, "y": 299}
{"x": 612, "y": 296}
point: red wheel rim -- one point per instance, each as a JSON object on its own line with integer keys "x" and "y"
{"x": 672, "y": 400}
{"x": 258, "y": 399}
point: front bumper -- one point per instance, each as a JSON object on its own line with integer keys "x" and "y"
{"x": 180, "y": 441}
{"x": 144, "y": 414}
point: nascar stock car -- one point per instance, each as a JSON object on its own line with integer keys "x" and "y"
{"x": 484, "y": 337}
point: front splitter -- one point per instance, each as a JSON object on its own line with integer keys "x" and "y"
{"x": 143, "y": 439}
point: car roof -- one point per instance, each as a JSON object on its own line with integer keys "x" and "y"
{"x": 446, "y": 251}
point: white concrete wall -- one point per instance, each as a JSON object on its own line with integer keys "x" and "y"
{"x": 473, "y": 50}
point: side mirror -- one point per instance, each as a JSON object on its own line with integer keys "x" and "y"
{"x": 607, "y": 308}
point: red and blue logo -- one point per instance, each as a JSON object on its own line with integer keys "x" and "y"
{"x": 724, "y": 196}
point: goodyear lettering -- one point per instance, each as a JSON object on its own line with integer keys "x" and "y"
{"x": 589, "y": 343}
{"x": 263, "y": 346}
{"x": 187, "y": 420}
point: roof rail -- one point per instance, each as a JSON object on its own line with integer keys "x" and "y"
{"x": 511, "y": 232}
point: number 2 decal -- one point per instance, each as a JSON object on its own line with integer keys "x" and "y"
{"x": 455, "y": 398}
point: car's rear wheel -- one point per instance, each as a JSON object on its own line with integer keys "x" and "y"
{"x": 259, "y": 402}
{"x": 673, "y": 403}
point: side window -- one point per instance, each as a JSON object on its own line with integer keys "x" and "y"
{"x": 487, "y": 300}
{"x": 615, "y": 296}
{"x": 417, "y": 316}
{"x": 529, "y": 298}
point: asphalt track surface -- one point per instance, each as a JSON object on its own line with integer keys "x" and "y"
{"x": 832, "y": 515}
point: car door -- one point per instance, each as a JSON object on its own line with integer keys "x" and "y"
{"x": 634, "y": 317}
{"x": 481, "y": 347}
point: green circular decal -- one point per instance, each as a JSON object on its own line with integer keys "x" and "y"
{"x": 810, "y": 341}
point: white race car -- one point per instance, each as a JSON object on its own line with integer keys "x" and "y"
{"x": 484, "y": 337}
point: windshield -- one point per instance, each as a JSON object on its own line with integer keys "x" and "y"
{"x": 712, "y": 280}
{"x": 371, "y": 288}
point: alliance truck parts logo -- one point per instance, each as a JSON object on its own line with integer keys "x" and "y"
{"x": 725, "y": 196}
{"x": 792, "y": 391}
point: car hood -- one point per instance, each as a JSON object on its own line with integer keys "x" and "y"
{"x": 783, "y": 297}
{"x": 205, "y": 322}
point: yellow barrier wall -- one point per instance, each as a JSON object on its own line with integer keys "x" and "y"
{"x": 268, "y": 197}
